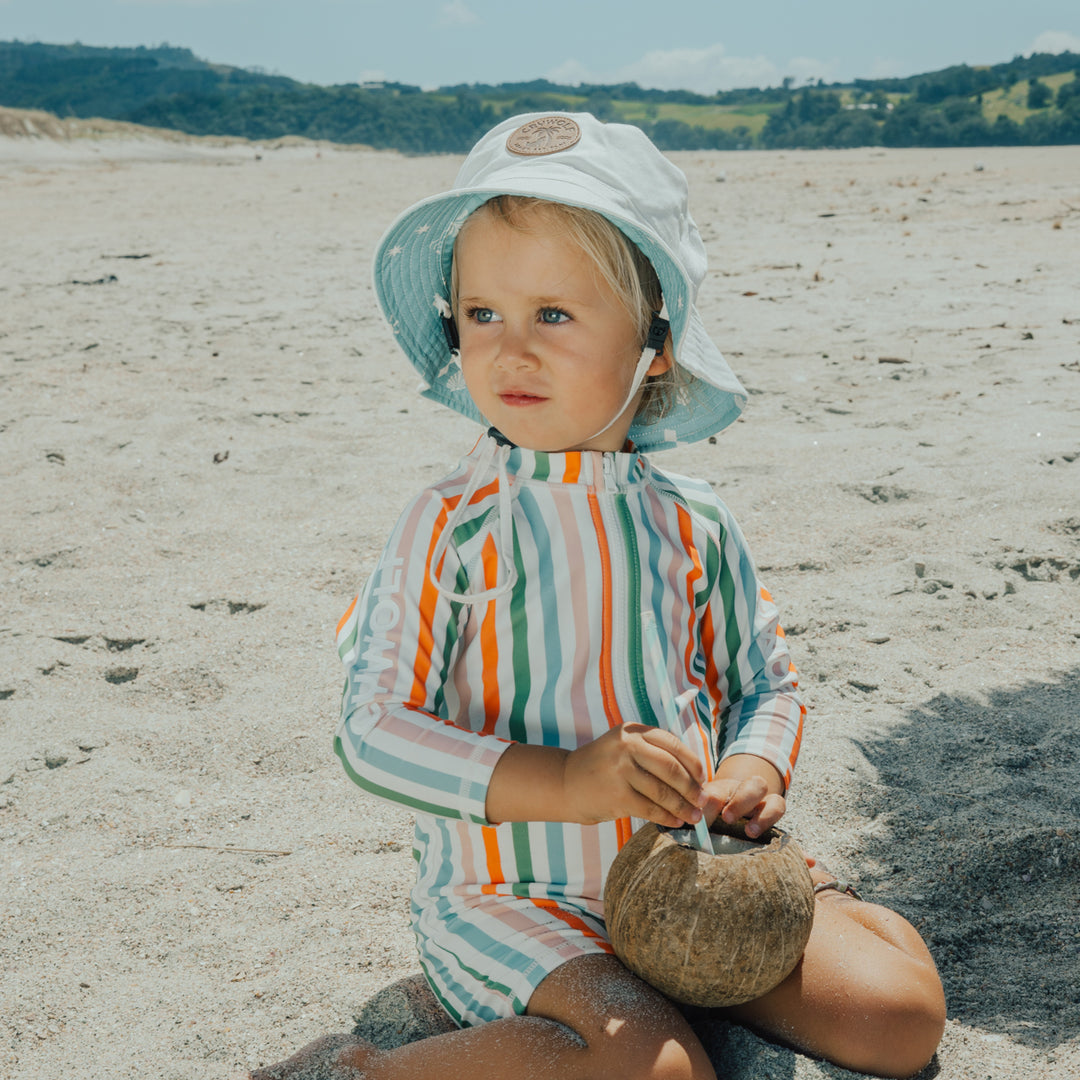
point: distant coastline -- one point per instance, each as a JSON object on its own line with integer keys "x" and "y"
{"x": 1032, "y": 100}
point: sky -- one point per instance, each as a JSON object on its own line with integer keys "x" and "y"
{"x": 701, "y": 45}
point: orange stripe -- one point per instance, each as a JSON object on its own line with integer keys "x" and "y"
{"x": 345, "y": 618}
{"x": 571, "y": 920}
{"x": 607, "y": 677}
{"x": 712, "y": 673}
{"x": 429, "y": 597}
{"x": 425, "y": 639}
{"x": 478, "y": 494}
{"x": 494, "y": 863}
{"x": 795, "y": 746}
{"x": 686, "y": 536}
{"x": 573, "y": 468}
{"x": 489, "y": 645}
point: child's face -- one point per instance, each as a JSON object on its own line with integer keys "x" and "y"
{"x": 547, "y": 351}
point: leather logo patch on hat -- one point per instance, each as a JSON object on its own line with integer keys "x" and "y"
{"x": 546, "y": 135}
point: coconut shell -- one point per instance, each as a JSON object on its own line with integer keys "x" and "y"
{"x": 709, "y": 929}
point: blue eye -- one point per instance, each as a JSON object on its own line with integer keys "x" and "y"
{"x": 553, "y": 316}
{"x": 481, "y": 315}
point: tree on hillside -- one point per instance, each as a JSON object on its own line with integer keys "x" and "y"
{"x": 1068, "y": 92}
{"x": 1039, "y": 95}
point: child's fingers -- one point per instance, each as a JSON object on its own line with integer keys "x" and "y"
{"x": 742, "y": 799}
{"x": 635, "y": 771}
{"x": 748, "y": 799}
{"x": 663, "y": 757}
{"x": 683, "y": 761}
{"x": 659, "y": 801}
{"x": 767, "y": 814}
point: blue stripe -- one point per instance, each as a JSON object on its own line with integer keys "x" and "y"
{"x": 548, "y": 600}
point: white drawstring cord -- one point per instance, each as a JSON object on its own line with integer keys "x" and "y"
{"x": 506, "y": 527}
{"x": 504, "y": 507}
{"x": 648, "y": 355}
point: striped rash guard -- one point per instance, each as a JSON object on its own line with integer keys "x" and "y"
{"x": 437, "y": 688}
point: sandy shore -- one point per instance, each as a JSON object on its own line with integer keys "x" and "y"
{"x": 206, "y": 433}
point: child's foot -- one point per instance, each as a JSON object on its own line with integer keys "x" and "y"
{"x": 321, "y": 1060}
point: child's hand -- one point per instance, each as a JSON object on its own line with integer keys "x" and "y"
{"x": 634, "y": 771}
{"x": 746, "y": 787}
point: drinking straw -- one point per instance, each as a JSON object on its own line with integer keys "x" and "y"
{"x": 655, "y": 655}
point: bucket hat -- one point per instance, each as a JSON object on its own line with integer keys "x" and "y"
{"x": 576, "y": 159}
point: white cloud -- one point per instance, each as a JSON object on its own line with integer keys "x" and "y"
{"x": 1055, "y": 41}
{"x": 457, "y": 13}
{"x": 571, "y": 73}
{"x": 703, "y": 70}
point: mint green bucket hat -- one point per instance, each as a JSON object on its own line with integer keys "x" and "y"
{"x": 570, "y": 158}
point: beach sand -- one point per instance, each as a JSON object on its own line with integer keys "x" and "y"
{"x": 206, "y": 433}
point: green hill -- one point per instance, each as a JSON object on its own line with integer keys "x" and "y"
{"x": 1034, "y": 99}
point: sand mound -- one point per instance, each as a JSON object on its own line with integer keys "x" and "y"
{"x": 38, "y": 124}
{"x": 33, "y": 134}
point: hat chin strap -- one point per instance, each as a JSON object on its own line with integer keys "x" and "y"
{"x": 654, "y": 345}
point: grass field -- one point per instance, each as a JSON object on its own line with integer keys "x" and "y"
{"x": 753, "y": 117}
{"x": 711, "y": 117}
{"x": 1013, "y": 102}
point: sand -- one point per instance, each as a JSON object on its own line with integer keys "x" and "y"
{"x": 206, "y": 433}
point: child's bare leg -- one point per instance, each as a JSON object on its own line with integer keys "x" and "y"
{"x": 865, "y": 995}
{"x": 589, "y": 1018}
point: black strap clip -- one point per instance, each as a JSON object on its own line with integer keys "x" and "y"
{"x": 658, "y": 332}
{"x": 449, "y": 329}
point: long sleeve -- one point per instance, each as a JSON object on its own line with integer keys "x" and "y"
{"x": 752, "y": 682}
{"x": 398, "y": 642}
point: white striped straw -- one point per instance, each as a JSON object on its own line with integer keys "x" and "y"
{"x": 671, "y": 707}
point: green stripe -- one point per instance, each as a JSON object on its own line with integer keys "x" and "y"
{"x": 445, "y": 1002}
{"x": 731, "y": 627}
{"x": 461, "y": 585}
{"x": 350, "y": 641}
{"x": 519, "y": 650}
{"x": 466, "y": 531}
{"x": 711, "y": 566}
{"x": 635, "y": 653}
{"x": 518, "y": 1004}
{"x": 396, "y": 796}
{"x": 519, "y": 831}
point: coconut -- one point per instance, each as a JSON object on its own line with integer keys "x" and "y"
{"x": 710, "y": 928}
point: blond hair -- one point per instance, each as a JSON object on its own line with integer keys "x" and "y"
{"x": 619, "y": 261}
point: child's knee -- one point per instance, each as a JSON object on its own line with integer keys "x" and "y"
{"x": 640, "y": 1052}
{"x": 898, "y": 1033}
{"x": 629, "y": 1029}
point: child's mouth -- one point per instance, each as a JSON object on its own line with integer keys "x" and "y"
{"x": 519, "y": 398}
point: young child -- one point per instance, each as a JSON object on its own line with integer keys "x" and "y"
{"x": 496, "y": 683}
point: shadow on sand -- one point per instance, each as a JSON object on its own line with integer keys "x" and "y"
{"x": 994, "y": 828}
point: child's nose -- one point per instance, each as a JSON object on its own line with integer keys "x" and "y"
{"x": 516, "y": 348}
